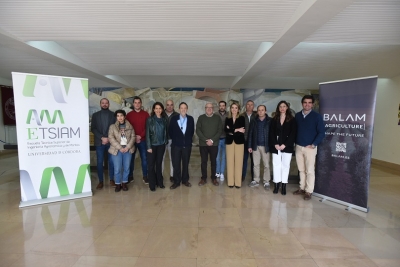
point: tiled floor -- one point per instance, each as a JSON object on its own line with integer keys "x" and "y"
{"x": 198, "y": 226}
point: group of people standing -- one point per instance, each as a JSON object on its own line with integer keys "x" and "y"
{"x": 227, "y": 139}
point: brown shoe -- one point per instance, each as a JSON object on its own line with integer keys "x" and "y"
{"x": 100, "y": 185}
{"x": 187, "y": 184}
{"x": 112, "y": 183}
{"x": 124, "y": 187}
{"x": 202, "y": 182}
{"x": 215, "y": 182}
{"x": 299, "y": 192}
{"x": 307, "y": 196}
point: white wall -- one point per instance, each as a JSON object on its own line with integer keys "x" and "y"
{"x": 386, "y": 143}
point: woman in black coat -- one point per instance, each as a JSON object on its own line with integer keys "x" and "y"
{"x": 234, "y": 128}
{"x": 281, "y": 141}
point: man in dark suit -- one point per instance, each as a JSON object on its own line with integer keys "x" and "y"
{"x": 181, "y": 130}
{"x": 101, "y": 121}
{"x": 249, "y": 115}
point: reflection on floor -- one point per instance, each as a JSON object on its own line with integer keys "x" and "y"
{"x": 198, "y": 226}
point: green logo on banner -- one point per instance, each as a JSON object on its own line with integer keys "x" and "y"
{"x": 60, "y": 180}
{"x": 43, "y": 113}
{"x": 55, "y": 85}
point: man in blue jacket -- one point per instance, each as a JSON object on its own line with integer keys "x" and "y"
{"x": 310, "y": 132}
{"x": 181, "y": 130}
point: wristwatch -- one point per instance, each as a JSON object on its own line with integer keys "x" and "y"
{"x": 312, "y": 146}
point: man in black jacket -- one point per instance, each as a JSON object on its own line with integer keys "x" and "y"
{"x": 101, "y": 121}
{"x": 258, "y": 145}
{"x": 170, "y": 112}
{"x": 249, "y": 115}
{"x": 181, "y": 130}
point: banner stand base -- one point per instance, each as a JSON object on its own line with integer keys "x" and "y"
{"x": 28, "y": 203}
{"x": 349, "y": 206}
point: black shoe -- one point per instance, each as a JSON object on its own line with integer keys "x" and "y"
{"x": 124, "y": 187}
{"x": 152, "y": 189}
{"x": 237, "y": 186}
{"x": 117, "y": 188}
{"x": 162, "y": 186}
{"x": 276, "y": 189}
{"x": 231, "y": 186}
{"x": 145, "y": 180}
{"x": 171, "y": 178}
{"x": 174, "y": 186}
{"x": 283, "y": 191}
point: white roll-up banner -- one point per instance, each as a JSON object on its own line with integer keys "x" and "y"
{"x": 53, "y": 141}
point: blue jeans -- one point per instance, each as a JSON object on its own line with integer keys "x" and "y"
{"x": 142, "y": 150}
{"x": 122, "y": 161}
{"x": 221, "y": 156}
{"x": 100, "y": 150}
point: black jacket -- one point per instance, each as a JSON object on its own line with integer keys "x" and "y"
{"x": 287, "y": 135}
{"x": 152, "y": 129}
{"x": 230, "y": 127}
{"x": 178, "y": 138}
{"x": 101, "y": 121}
{"x": 253, "y": 133}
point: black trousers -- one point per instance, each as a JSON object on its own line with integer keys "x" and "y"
{"x": 180, "y": 162}
{"x": 154, "y": 166}
{"x": 204, "y": 151}
{"x": 245, "y": 158}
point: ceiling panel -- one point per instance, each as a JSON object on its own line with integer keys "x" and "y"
{"x": 165, "y": 58}
{"x": 338, "y": 61}
{"x": 369, "y": 22}
{"x": 16, "y": 61}
{"x": 257, "y": 20}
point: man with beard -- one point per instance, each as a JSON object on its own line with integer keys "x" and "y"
{"x": 208, "y": 129}
{"x": 221, "y": 156}
{"x": 101, "y": 121}
{"x": 138, "y": 118}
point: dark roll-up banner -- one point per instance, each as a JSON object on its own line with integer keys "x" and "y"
{"x": 344, "y": 156}
{"x": 7, "y": 105}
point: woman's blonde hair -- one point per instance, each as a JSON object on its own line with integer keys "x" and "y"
{"x": 230, "y": 108}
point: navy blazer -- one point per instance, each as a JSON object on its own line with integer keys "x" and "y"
{"x": 230, "y": 127}
{"x": 175, "y": 133}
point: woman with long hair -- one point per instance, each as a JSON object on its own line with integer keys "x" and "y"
{"x": 234, "y": 128}
{"x": 122, "y": 139}
{"x": 156, "y": 139}
{"x": 281, "y": 141}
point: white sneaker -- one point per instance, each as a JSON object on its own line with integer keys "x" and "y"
{"x": 221, "y": 177}
{"x": 266, "y": 185}
{"x": 217, "y": 175}
{"x": 254, "y": 184}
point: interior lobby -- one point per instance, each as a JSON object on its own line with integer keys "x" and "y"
{"x": 236, "y": 46}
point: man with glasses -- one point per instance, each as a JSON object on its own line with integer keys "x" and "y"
{"x": 208, "y": 129}
{"x": 181, "y": 131}
{"x": 310, "y": 132}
